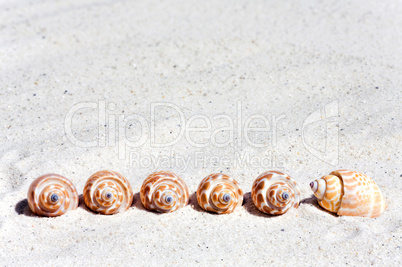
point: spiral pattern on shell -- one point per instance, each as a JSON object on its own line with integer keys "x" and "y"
{"x": 219, "y": 193}
{"x": 275, "y": 193}
{"x": 349, "y": 193}
{"x": 52, "y": 195}
{"x": 164, "y": 191}
{"x": 108, "y": 192}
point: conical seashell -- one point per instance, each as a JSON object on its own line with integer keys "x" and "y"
{"x": 52, "y": 195}
{"x": 108, "y": 192}
{"x": 350, "y": 193}
{"x": 275, "y": 193}
{"x": 164, "y": 191}
{"x": 219, "y": 193}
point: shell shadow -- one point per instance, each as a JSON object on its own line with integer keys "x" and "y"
{"x": 193, "y": 203}
{"x": 137, "y": 202}
{"x": 251, "y": 208}
{"x": 312, "y": 200}
{"x": 81, "y": 204}
{"x": 22, "y": 208}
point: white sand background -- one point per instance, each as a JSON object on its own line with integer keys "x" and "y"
{"x": 277, "y": 58}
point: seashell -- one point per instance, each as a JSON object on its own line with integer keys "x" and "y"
{"x": 275, "y": 193}
{"x": 164, "y": 191}
{"x": 219, "y": 193}
{"x": 349, "y": 193}
{"x": 52, "y": 195}
{"x": 108, "y": 192}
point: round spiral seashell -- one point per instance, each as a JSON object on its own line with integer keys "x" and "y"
{"x": 219, "y": 193}
{"x": 275, "y": 193}
{"x": 52, "y": 195}
{"x": 108, "y": 192}
{"x": 164, "y": 191}
{"x": 349, "y": 193}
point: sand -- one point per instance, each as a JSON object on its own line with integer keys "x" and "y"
{"x": 121, "y": 85}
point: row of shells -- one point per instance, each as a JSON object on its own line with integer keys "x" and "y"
{"x": 273, "y": 192}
